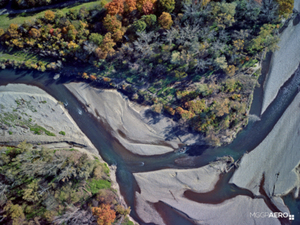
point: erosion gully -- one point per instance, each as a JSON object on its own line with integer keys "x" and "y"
{"x": 128, "y": 163}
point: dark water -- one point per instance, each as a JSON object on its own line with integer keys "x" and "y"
{"x": 114, "y": 153}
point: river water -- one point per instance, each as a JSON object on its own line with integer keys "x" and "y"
{"x": 127, "y": 163}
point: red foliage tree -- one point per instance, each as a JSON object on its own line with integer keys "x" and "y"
{"x": 148, "y": 7}
{"x": 104, "y": 214}
{"x": 115, "y": 7}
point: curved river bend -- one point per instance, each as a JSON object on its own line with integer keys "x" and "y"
{"x": 127, "y": 163}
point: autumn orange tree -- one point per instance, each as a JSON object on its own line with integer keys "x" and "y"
{"x": 115, "y": 7}
{"x": 35, "y": 33}
{"x": 148, "y": 7}
{"x": 129, "y": 5}
{"x": 140, "y": 4}
{"x": 105, "y": 215}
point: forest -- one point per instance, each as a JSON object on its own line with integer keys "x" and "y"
{"x": 196, "y": 60}
{"x": 56, "y": 187}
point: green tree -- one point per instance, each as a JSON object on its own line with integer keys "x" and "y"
{"x": 266, "y": 38}
{"x": 150, "y": 20}
{"x": 139, "y": 25}
{"x": 166, "y": 5}
{"x": 96, "y": 38}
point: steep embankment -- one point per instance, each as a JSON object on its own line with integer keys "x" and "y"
{"x": 29, "y": 113}
{"x": 134, "y": 126}
{"x": 284, "y": 61}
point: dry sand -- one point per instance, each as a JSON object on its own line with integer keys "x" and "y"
{"x": 284, "y": 62}
{"x": 22, "y": 106}
{"x": 169, "y": 185}
{"x": 128, "y": 121}
{"x": 277, "y": 157}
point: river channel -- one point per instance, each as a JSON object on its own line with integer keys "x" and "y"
{"x": 127, "y": 163}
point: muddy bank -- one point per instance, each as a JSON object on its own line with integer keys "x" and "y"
{"x": 135, "y": 126}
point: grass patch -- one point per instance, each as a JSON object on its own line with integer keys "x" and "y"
{"x": 6, "y": 20}
{"x": 106, "y": 169}
{"x": 62, "y": 132}
{"x": 40, "y": 130}
{"x": 96, "y": 185}
{"x": 20, "y": 56}
{"x": 10, "y": 132}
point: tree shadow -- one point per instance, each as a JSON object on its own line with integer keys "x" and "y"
{"x": 152, "y": 117}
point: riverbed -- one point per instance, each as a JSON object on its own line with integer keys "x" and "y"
{"x": 128, "y": 163}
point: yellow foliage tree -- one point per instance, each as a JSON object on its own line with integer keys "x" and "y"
{"x": 49, "y": 15}
{"x": 165, "y": 20}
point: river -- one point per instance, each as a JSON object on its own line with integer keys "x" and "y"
{"x": 127, "y": 163}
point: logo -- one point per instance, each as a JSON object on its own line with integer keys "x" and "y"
{"x": 272, "y": 215}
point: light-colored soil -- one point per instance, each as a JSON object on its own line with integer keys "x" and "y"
{"x": 23, "y": 107}
{"x": 129, "y": 122}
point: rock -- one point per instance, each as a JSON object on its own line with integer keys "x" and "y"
{"x": 56, "y": 76}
